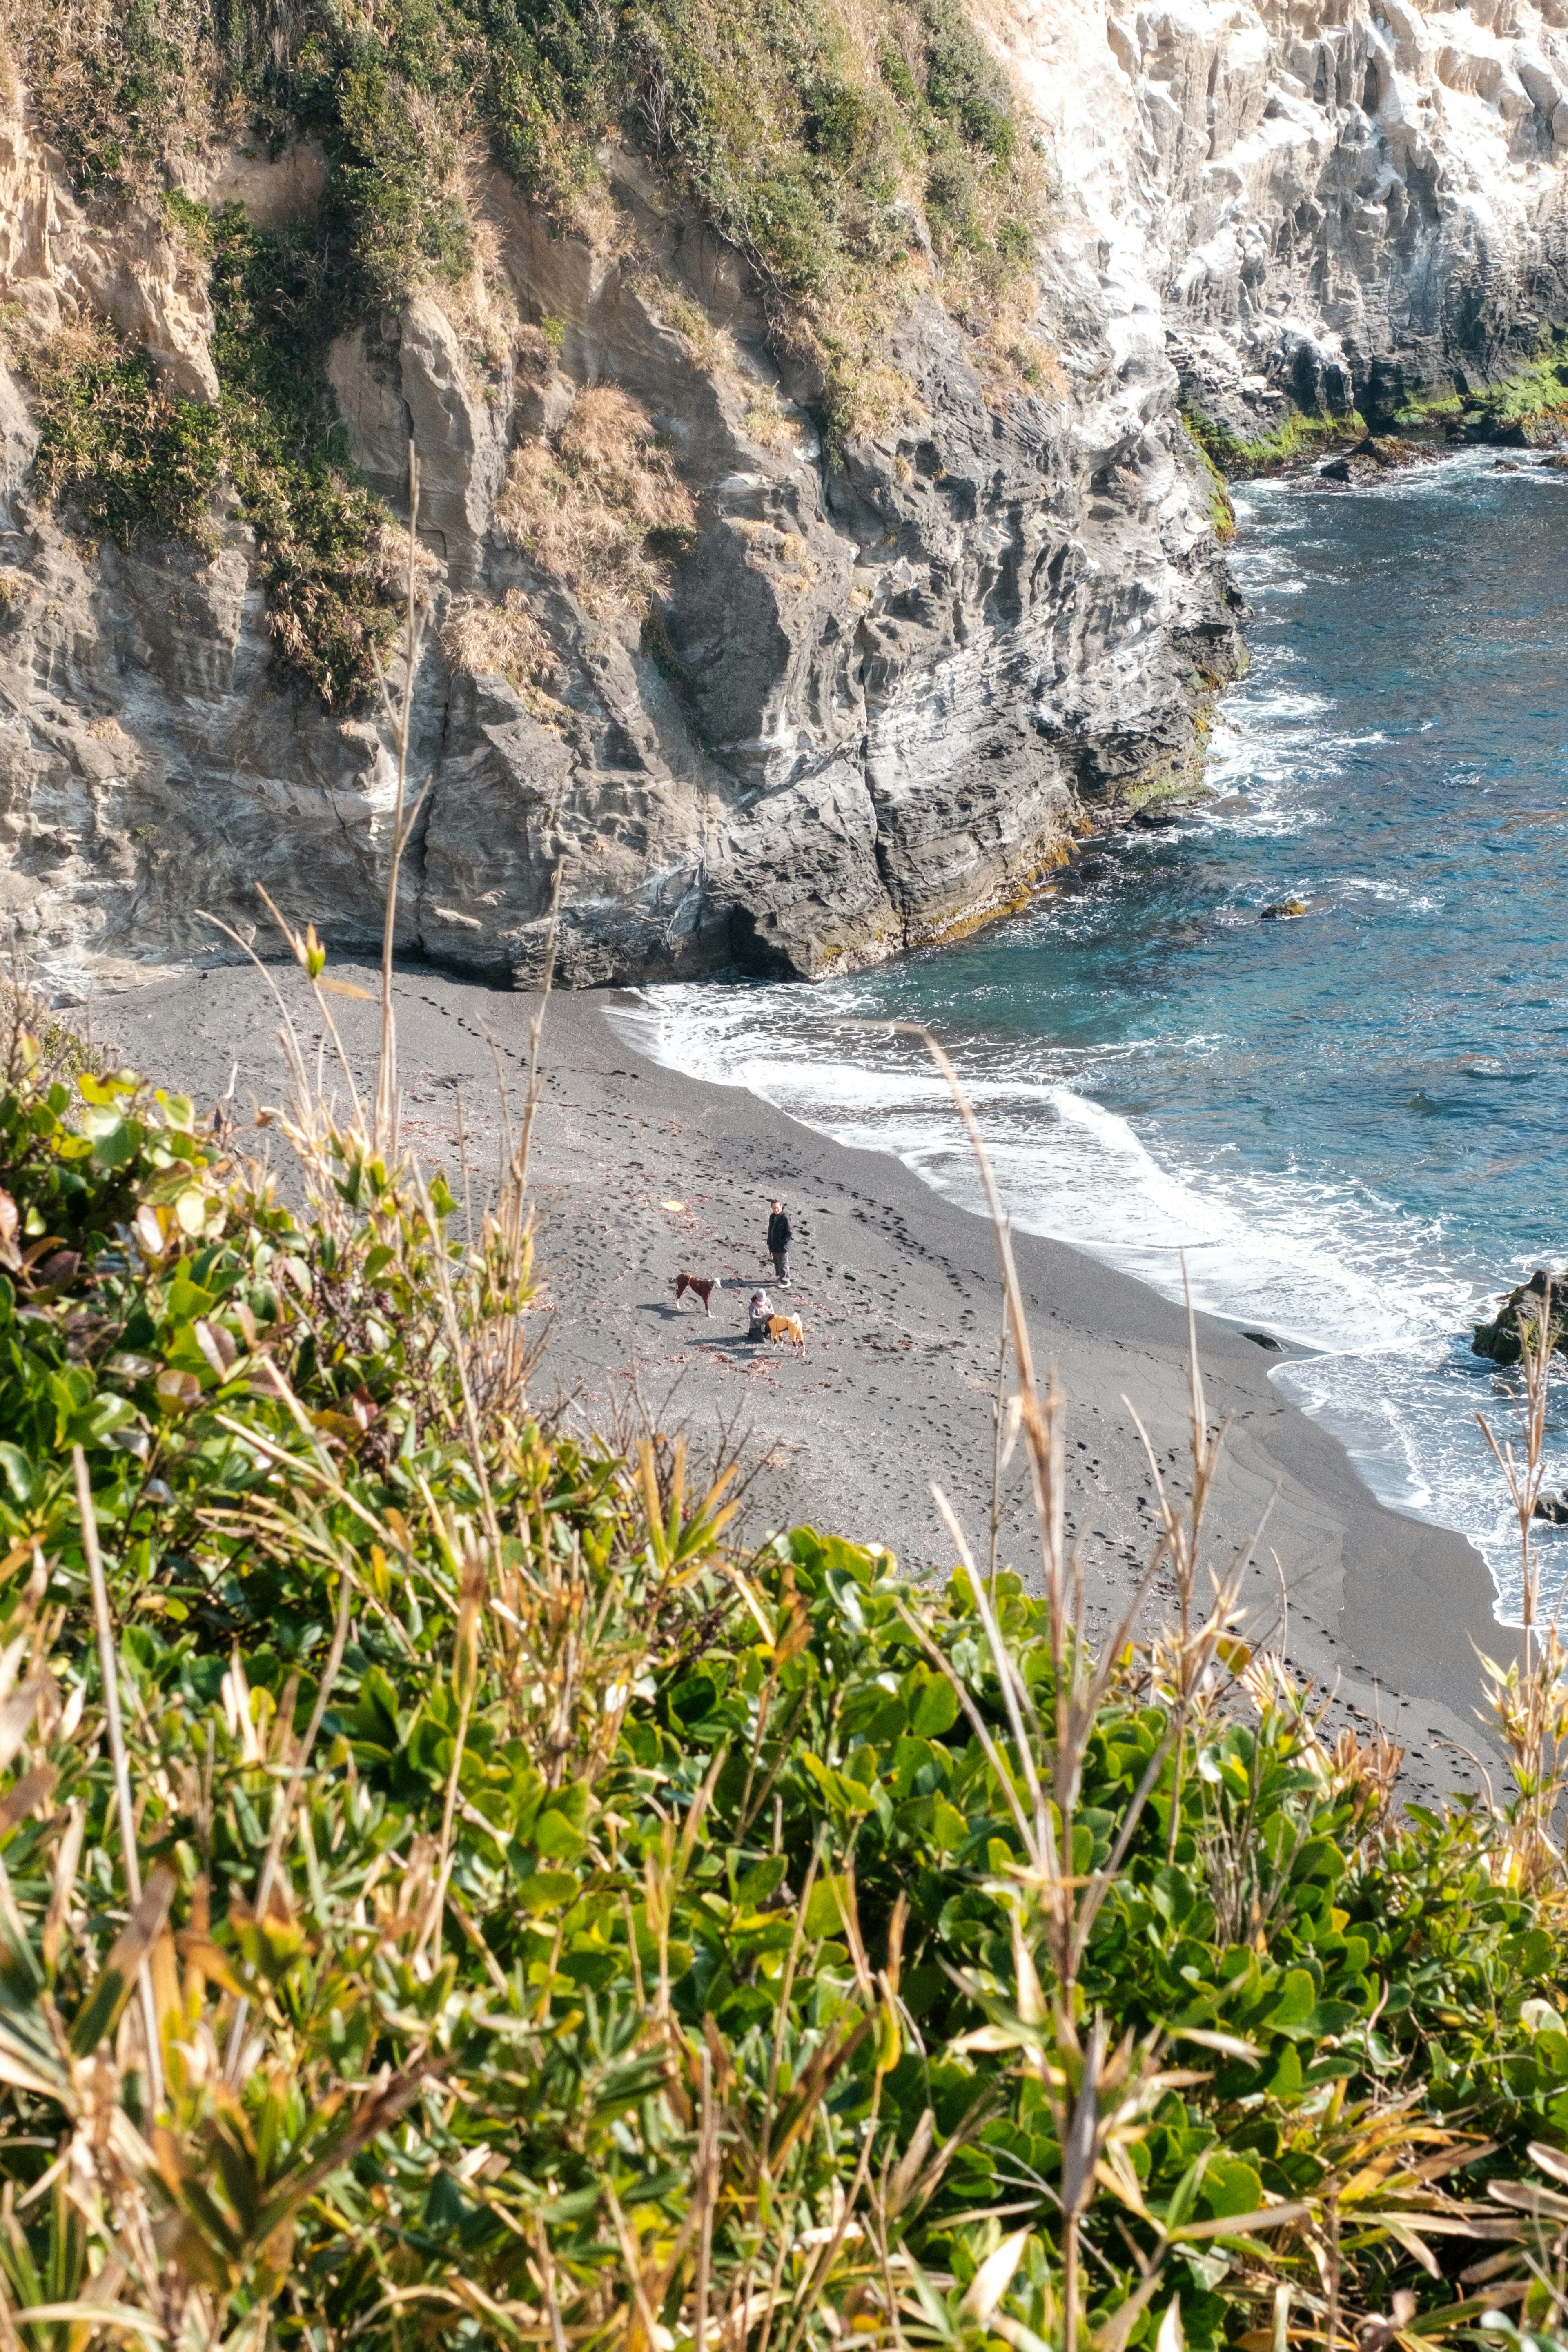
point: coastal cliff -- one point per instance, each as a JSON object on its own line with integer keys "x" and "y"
{"x": 814, "y": 543}
{"x": 1337, "y": 205}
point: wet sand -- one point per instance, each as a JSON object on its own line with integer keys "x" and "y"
{"x": 641, "y": 1173}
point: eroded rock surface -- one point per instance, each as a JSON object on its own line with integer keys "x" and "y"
{"x": 868, "y": 701}
{"x": 1338, "y": 201}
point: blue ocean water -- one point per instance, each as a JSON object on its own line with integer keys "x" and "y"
{"x": 1353, "y": 1127}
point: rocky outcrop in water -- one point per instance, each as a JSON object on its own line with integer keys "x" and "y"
{"x": 1520, "y": 1314}
{"x": 850, "y": 703}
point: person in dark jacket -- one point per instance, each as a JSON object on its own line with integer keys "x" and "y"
{"x": 778, "y": 1244}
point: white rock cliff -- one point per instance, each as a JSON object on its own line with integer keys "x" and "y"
{"x": 1318, "y": 201}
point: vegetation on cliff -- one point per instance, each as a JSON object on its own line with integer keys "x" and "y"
{"x": 1529, "y": 405}
{"x": 127, "y": 454}
{"x": 558, "y": 1926}
{"x": 804, "y": 145}
{"x": 1296, "y": 436}
{"x": 1222, "y": 512}
{"x": 835, "y": 164}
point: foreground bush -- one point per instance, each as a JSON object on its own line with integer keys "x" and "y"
{"x": 557, "y": 1926}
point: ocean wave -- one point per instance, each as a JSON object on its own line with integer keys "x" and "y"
{"x": 1165, "y": 1083}
{"x": 1331, "y": 1269}
{"x": 1327, "y": 1266}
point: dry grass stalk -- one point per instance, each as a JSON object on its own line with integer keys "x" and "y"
{"x": 1187, "y": 1652}
{"x": 285, "y": 1813}
{"x": 109, "y": 1669}
{"x": 1099, "y": 2095}
{"x": 602, "y": 507}
{"x": 1523, "y": 1477}
{"x": 474, "y": 1570}
{"x": 500, "y": 1352}
{"x": 399, "y": 715}
{"x": 1046, "y": 1822}
{"x": 1367, "y": 1768}
{"x": 1529, "y": 1698}
{"x": 309, "y": 1125}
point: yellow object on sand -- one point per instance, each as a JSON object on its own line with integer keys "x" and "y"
{"x": 672, "y": 1204}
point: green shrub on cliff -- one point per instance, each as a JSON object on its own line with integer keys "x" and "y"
{"x": 129, "y": 454}
{"x": 795, "y": 145}
{"x": 561, "y": 1926}
{"x": 815, "y": 156}
{"x": 320, "y": 535}
{"x": 119, "y": 448}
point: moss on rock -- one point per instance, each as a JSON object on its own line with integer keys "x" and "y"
{"x": 1528, "y": 406}
{"x": 1298, "y": 436}
{"x": 1222, "y": 513}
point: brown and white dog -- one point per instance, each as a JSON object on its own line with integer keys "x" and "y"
{"x": 700, "y": 1286}
{"x": 787, "y": 1327}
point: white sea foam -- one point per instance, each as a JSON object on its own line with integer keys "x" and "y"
{"x": 1373, "y": 1294}
{"x": 1387, "y": 894}
{"x": 1328, "y": 1267}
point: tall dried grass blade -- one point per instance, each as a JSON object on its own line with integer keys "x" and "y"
{"x": 109, "y": 1668}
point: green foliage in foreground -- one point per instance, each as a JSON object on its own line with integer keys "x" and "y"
{"x": 646, "y": 1951}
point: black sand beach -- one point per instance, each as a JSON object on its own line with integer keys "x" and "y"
{"x": 640, "y": 1173}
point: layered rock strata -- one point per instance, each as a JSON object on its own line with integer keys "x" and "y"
{"x": 1338, "y": 202}
{"x": 869, "y": 701}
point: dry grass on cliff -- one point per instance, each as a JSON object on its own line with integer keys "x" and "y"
{"x": 111, "y": 123}
{"x": 602, "y": 507}
{"x": 712, "y": 347}
{"x": 768, "y": 419}
{"x": 504, "y": 640}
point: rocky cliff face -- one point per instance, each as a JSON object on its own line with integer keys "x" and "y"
{"x": 1331, "y": 202}
{"x": 752, "y": 704}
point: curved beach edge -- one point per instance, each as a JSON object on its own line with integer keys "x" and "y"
{"x": 641, "y": 1172}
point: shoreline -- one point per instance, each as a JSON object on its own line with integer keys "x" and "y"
{"x": 900, "y": 1293}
